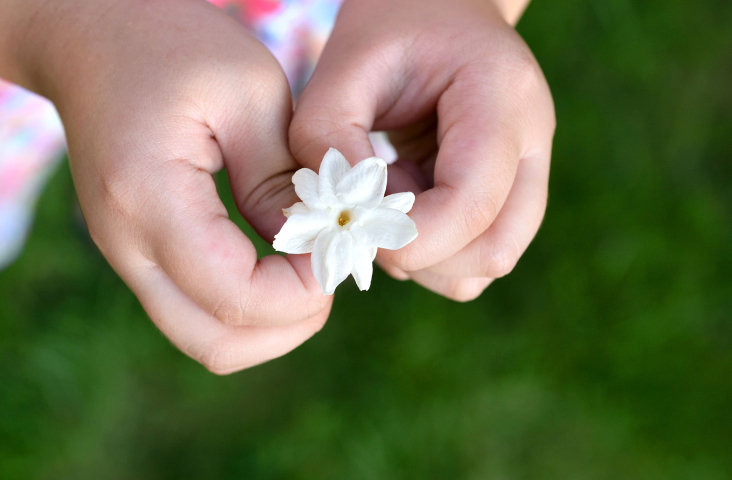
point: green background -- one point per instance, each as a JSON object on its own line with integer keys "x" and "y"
{"x": 606, "y": 354}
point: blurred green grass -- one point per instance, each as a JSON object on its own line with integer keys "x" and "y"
{"x": 607, "y": 353}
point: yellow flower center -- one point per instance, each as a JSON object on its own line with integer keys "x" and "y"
{"x": 344, "y": 218}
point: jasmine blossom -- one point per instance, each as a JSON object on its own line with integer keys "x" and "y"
{"x": 344, "y": 218}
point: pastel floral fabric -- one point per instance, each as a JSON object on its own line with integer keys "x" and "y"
{"x": 31, "y": 144}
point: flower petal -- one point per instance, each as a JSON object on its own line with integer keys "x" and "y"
{"x": 399, "y": 201}
{"x": 384, "y": 228}
{"x": 298, "y": 207}
{"x": 299, "y": 232}
{"x": 364, "y": 185}
{"x": 363, "y": 267}
{"x": 333, "y": 168}
{"x": 307, "y": 187}
{"x": 332, "y": 258}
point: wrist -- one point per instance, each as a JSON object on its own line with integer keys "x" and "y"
{"x": 15, "y": 21}
{"x": 37, "y": 39}
{"x": 508, "y": 11}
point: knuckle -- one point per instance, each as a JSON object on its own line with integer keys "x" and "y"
{"x": 319, "y": 323}
{"x": 520, "y": 68}
{"x": 479, "y": 212}
{"x": 129, "y": 197}
{"x": 236, "y": 311}
{"x": 465, "y": 290}
{"x": 263, "y": 95}
{"x": 315, "y": 306}
{"x": 499, "y": 262}
{"x": 397, "y": 258}
{"x": 503, "y": 264}
{"x": 263, "y": 75}
{"x": 112, "y": 207}
{"x": 476, "y": 210}
{"x": 408, "y": 258}
{"x": 272, "y": 81}
{"x": 126, "y": 186}
{"x": 270, "y": 88}
{"x": 216, "y": 359}
{"x": 118, "y": 192}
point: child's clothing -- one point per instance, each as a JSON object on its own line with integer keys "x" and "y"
{"x": 31, "y": 134}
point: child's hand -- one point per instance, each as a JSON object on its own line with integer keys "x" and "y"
{"x": 155, "y": 97}
{"x": 453, "y": 75}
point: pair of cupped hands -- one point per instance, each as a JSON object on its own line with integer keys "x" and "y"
{"x": 158, "y": 95}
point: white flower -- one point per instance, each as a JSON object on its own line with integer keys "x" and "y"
{"x": 343, "y": 218}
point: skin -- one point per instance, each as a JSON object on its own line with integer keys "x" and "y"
{"x": 472, "y": 119}
{"x": 156, "y": 95}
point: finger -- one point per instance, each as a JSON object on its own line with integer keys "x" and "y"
{"x": 454, "y": 288}
{"x": 251, "y": 131}
{"x": 480, "y": 142}
{"x": 392, "y": 271}
{"x": 497, "y": 250}
{"x": 189, "y": 235}
{"x": 221, "y": 348}
{"x": 206, "y": 254}
{"x": 331, "y": 113}
{"x": 416, "y": 147}
{"x": 320, "y": 124}
{"x": 339, "y": 104}
{"x": 169, "y": 211}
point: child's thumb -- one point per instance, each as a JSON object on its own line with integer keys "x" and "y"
{"x": 336, "y": 110}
